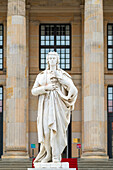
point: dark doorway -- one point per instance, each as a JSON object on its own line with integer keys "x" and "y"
{"x": 110, "y": 137}
{"x": 67, "y": 151}
{"x": 1, "y": 121}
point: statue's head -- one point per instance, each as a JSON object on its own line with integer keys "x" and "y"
{"x": 52, "y": 59}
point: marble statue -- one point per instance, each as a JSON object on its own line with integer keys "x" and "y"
{"x": 57, "y": 95}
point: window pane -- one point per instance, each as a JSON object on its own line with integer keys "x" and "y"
{"x": 109, "y": 96}
{"x": 67, "y": 66}
{"x": 42, "y": 42}
{"x": 1, "y": 38}
{"x": 1, "y": 27}
{"x": 57, "y": 37}
{"x": 63, "y": 43}
{"x": 43, "y": 61}
{"x": 0, "y": 109}
{"x": 58, "y": 43}
{"x": 110, "y": 109}
{"x": 1, "y": 50}
{"x": 110, "y": 103}
{"x": 110, "y": 90}
{"x": 0, "y": 61}
{"x": 51, "y": 42}
{"x": 47, "y": 42}
{"x": 110, "y": 60}
{"x": 110, "y": 50}
{"x": 109, "y": 27}
{"x": 110, "y": 42}
{"x": 1, "y": 66}
{"x": 67, "y": 42}
{"x": 47, "y": 37}
{"x": 110, "y": 37}
{"x": 1, "y": 43}
{"x": 42, "y": 50}
{"x": 42, "y": 37}
{"x": 62, "y": 60}
{"x": 0, "y": 96}
{"x": 110, "y": 66}
{"x": 110, "y": 55}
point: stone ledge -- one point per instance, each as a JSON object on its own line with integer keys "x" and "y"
{"x": 52, "y": 165}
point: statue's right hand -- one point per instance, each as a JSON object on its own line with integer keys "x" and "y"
{"x": 50, "y": 87}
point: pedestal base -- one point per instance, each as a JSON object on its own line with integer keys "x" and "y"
{"x": 51, "y": 168}
{"x": 94, "y": 155}
{"x": 52, "y": 165}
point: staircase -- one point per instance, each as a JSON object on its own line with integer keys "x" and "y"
{"x": 19, "y": 164}
{"x": 95, "y": 164}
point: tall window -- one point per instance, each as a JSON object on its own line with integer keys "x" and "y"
{"x": 1, "y": 46}
{"x": 110, "y": 99}
{"x": 55, "y": 37}
{"x": 110, "y": 46}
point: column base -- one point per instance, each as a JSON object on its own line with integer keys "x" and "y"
{"x": 15, "y": 156}
{"x": 94, "y": 155}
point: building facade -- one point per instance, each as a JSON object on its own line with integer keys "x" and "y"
{"x": 81, "y": 31}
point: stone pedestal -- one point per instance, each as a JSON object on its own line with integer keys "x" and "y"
{"x": 16, "y": 81}
{"x": 94, "y": 137}
{"x": 52, "y": 166}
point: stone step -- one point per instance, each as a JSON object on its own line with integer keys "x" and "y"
{"x": 95, "y": 164}
{"x": 15, "y": 164}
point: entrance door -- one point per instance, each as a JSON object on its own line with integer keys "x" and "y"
{"x": 110, "y": 137}
{"x": 1, "y": 121}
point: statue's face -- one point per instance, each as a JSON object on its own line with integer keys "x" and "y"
{"x": 52, "y": 60}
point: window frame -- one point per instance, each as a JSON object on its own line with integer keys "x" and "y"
{"x": 55, "y": 46}
{"x": 109, "y": 46}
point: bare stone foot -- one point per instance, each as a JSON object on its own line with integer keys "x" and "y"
{"x": 40, "y": 155}
{"x": 56, "y": 159}
{"x": 47, "y": 159}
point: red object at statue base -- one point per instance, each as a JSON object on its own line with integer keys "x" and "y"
{"x": 72, "y": 162}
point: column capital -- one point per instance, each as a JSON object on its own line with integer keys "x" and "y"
{"x": 16, "y": 7}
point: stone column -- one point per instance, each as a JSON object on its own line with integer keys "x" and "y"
{"x": 16, "y": 82}
{"x": 94, "y": 137}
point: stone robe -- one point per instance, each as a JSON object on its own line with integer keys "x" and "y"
{"x": 54, "y": 107}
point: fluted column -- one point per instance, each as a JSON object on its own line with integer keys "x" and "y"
{"x": 94, "y": 137}
{"x": 16, "y": 82}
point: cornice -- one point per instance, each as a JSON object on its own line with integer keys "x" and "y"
{"x": 37, "y": 9}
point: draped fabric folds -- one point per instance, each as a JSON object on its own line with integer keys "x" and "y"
{"x": 56, "y": 105}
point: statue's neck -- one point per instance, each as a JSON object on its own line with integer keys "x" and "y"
{"x": 53, "y": 68}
